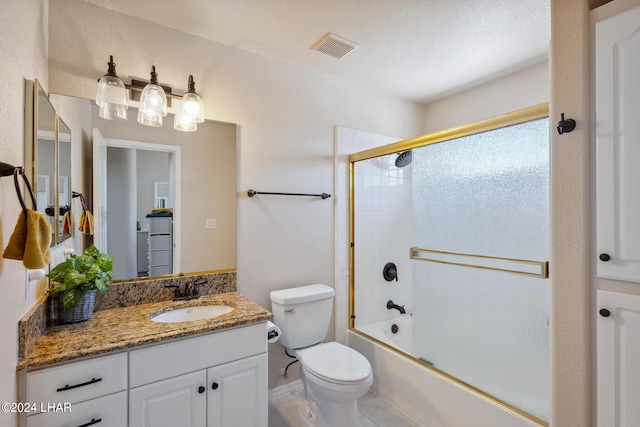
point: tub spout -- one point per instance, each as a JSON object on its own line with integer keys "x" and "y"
{"x": 391, "y": 305}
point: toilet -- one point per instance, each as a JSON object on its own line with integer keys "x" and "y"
{"x": 334, "y": 375}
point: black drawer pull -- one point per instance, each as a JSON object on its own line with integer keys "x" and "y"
{"x": 92, "y": 422}
{"x": 69, "y": 387}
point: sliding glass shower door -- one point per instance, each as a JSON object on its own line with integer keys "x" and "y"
{"x": 485, "y": 194}
{"x": 471, "y": 250}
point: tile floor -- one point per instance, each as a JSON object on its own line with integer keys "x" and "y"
{"x": 374, "y": 411}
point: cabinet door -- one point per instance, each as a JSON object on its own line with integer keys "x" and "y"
{"x": 237, "y": 394}
{"x": 179, "y": 401}
{"x": 617, "y": 60}
{"x": 618, "y": 359}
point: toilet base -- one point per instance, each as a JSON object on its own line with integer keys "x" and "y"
{"x": 331, "y": 414}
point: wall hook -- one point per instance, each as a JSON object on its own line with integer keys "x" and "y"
{"x": 565, "y": 126}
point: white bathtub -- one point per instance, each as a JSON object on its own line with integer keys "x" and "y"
{"x": 428, "y": 397}
{"x": 383, "y": 331}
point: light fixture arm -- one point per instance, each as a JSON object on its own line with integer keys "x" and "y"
{"x": 192, "y": 85}
{"x": 154, "y": 75}
{"x": 112, "y": 67}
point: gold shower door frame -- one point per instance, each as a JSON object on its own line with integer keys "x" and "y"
{"x": 516, "y": 117}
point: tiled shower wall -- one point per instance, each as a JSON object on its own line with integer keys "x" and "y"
{"x": 382, "y": 235}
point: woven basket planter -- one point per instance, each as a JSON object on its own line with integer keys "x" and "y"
{"x": 80, "y": 312}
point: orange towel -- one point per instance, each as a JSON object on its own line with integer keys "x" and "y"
{"x": 86, "y": 222}
{"x": 30, "y": 240}
{"x": 67, "y": 223}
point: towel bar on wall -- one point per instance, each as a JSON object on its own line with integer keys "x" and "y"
{"x": 441, "y": 258}
{"x": 252, "y": 193}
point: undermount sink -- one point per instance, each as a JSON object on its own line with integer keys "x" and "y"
{"x": 188, "y": 314}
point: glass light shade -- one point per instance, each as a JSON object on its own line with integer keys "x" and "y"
{"x": 185, "y": 123}
{"x": 112, "y": 98}
{"x": 150, "y": 117}
{"x": 192, "y": 106}
{"x": 153, "y": 105}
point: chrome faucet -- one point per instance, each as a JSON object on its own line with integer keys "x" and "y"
{"x": 400, "y": 308}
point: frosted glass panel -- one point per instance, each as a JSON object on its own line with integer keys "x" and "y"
{"x": 485, "y": 194}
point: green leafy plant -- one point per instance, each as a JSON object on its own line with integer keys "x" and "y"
{"x": 81, "y": 273}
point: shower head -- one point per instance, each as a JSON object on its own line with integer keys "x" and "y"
{"x": 404, "y": 159}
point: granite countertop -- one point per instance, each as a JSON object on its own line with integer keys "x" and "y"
{"x": 127, "y": 327}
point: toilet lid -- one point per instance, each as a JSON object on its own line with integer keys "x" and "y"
{"x": 335, "y": 362}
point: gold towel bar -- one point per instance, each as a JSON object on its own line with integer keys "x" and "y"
{"x": 543, "y": 265}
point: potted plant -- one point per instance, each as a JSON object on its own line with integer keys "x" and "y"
{"x": 76, "y": 281}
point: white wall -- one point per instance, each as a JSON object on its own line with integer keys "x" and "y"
{"x": 286, "y": 120}
{"x": 23, "y": 54}
{"x": 513, "y": 92}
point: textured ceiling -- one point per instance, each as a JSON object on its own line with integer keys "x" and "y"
{"x": 415, "y": 49}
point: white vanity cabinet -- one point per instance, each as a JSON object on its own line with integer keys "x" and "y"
{"x": 217, "y": 379}
{"x": 84, "y": 393}
{"x": 214, "y": 380}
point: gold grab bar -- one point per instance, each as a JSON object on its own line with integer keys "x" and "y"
{"x": 543, "y": 265}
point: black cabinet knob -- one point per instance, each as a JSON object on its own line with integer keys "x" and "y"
{"x": 214, "y": 386}
{"x": 201, "y": 389}
{"x": 604, "y": 312}
{"x": 604, "y": 257}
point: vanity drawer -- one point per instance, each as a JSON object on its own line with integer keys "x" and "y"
{"x": 159, "y": 225}
{"x": 78, "y": 381}
{"x": 160, "y": 242}
{"x": 191, "y": 354}
{"x": 157, "y": 258}
{"x": 107, "y": 411}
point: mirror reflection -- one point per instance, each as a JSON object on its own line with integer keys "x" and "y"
{"x": 45, "y": 157}
{"x": 65, "y": 220}
{"x": 146, "y": 168}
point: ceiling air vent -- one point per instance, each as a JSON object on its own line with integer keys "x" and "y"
{"x": 333, "y": 45}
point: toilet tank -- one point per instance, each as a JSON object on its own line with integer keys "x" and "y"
{"x": 303, "y": 314}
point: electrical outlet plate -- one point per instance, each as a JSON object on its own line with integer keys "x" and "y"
{"x": 210, "y": 223}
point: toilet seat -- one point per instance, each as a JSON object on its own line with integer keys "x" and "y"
{"x": 335, "y": 363}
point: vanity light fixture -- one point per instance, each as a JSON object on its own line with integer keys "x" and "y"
{"x": 153, "y": 102}
{"x": 112, "y": 98}
{"x": 111, "y": 95}
{"x": 191, "y": 110}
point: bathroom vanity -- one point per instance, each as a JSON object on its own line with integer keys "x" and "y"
{"x": 122, "y": 369}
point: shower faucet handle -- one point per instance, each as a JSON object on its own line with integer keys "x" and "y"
{"x": 390, "y": 272}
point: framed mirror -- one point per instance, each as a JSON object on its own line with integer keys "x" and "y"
{"x": 40, "y": 150}
{"x": 147, "y": 168}
{"x": 47, "y": 158}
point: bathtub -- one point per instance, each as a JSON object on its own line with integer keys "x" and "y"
{"x": 429, "y": 397}
{"x": 398, "y": 337}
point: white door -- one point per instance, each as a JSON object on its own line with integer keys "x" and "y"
{"x": 99, "y": 191}
{"x": 617, "y": 60}
{"x": 179, "y": 401}
{"x": 618, "y": 359}
{"x": 237, "y": 394}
